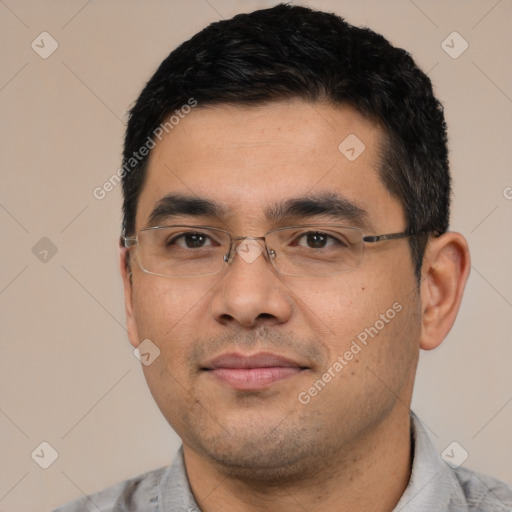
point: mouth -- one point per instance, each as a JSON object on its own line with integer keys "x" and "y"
{"x": 252, "y": 372}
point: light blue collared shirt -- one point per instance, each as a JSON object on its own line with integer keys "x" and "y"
{"x": 434, "y": 486}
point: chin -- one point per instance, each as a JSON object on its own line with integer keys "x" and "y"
{"x": 262, "y": 455}
{"x": 269, "y": 468}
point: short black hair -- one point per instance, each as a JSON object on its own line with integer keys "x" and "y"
{"x": 290, "y": 52}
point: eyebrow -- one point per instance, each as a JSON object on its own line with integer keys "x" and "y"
{"x": 327, "y": 205}
{"x": 179, "y": 205}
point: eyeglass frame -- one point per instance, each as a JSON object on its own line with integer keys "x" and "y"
{"x": 129, "y": 242}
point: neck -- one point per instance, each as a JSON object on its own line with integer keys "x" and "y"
{"x": 371, "y": 474}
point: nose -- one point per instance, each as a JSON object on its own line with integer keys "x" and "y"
{"x": 251, "y": 292}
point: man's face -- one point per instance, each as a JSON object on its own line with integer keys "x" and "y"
{"x": 249, "y": 160}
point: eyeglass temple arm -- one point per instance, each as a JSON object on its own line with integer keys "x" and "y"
{"x": 380, "y": 238}
{"x": 126, "y": 241}
{"x": 394, "y": 236}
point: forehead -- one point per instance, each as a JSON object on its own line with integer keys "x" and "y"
{"x": 252, "y": 159}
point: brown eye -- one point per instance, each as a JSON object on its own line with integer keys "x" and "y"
{"x": 316, "y": 240}
{"x": 190, "y": 240}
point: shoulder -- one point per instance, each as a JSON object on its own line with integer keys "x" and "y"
{"x": 437, "y": 485}
{"x": 484, "y": 493}
{"x": 137, "y": 493}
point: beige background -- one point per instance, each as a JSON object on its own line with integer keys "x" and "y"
{"x": 67, "y": 372}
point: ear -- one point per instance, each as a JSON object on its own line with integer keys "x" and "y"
{"x": 125, "y": 263}
{"x": 445, "y": 271}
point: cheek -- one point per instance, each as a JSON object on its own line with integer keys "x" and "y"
{"x": 165, "y": 311}
{"x": 377, "y": 308}
{"x": 389, "y": 332}
{"x": 341, "y": 308}
{"x": 373, "y": 354}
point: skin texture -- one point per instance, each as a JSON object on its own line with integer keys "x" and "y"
{"x": 348, "y": 448}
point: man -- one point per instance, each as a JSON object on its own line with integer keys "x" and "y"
{"x": 285, "y": 255}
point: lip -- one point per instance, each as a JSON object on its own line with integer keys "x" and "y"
{"x": 252, "y": 372}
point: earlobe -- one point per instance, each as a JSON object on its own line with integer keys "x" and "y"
{"x": 126, "y": 274}
{"x": 445, "y": 271}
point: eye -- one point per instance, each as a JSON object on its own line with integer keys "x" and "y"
{"x": 316, "y": 240}
{"x": 191, "y": 240}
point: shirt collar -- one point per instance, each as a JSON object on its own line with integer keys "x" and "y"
{"x": 174, "y": 488}
{"x": 433, "y": 487}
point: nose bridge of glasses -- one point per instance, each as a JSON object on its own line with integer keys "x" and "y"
{"x": 248, "y": 248}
